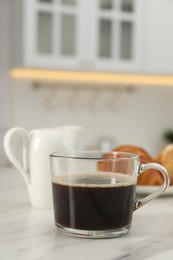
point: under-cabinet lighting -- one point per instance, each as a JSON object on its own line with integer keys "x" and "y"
{"x": 92, "y": 77}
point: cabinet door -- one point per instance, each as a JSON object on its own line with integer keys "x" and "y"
{"x": 83, "y": 35}
{"x": 159, "y": 40}
{"x": 52, "y": 33}
{"x": 116, "y": 35}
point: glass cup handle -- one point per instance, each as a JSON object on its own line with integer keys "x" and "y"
{"x": 163, "y": 187}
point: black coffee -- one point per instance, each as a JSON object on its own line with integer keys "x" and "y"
{"x": 94, "y": 202}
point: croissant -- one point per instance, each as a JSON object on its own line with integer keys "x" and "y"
{"x": 149, "y": 177}
{"x": 165, "y": 157}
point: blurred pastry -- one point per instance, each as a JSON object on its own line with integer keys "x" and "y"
{"x": 144, "y": 155}
{"x": 165, "y": 157}
{"x": 149, "y": 177}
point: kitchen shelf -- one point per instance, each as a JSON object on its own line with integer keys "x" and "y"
{"x": 97, "y": 78}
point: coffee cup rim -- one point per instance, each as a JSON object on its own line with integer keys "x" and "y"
{"x": 95, "y": 155}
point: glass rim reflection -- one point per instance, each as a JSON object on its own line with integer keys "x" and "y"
{"x": 95, "y": 155}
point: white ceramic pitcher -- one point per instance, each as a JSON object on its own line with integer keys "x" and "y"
{"x": 34, "y": 165}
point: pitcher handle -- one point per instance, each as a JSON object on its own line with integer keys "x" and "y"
{"x": 160, "y": 190}
{"x": 9, "y": 145}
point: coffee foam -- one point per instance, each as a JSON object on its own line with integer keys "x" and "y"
{"x": 123, "y": 180}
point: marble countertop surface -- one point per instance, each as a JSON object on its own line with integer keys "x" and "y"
{"x": 29, "y": 234}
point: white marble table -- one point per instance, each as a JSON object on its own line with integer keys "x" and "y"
{"x": 30, "y": 234}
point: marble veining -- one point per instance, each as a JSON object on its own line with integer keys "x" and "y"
{"x": 29, "y": 234}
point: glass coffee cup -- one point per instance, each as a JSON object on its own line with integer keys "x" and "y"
{"x": 94, "y": 193}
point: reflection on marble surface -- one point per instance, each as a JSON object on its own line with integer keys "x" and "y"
{"x": 27, "y": 233}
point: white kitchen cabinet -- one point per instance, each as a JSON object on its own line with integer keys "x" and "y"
{"x": 47, "y": 33}
{"x": 159, "y": 37}
{"x": 116, "y": 28}
{"x": 101, "y": 35}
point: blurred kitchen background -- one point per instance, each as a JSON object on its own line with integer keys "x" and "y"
{"x": 88, "y": 63}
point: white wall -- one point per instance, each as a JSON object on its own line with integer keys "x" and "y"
{"x": 140, "y": 117}
{"x": 5, "y": 92}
